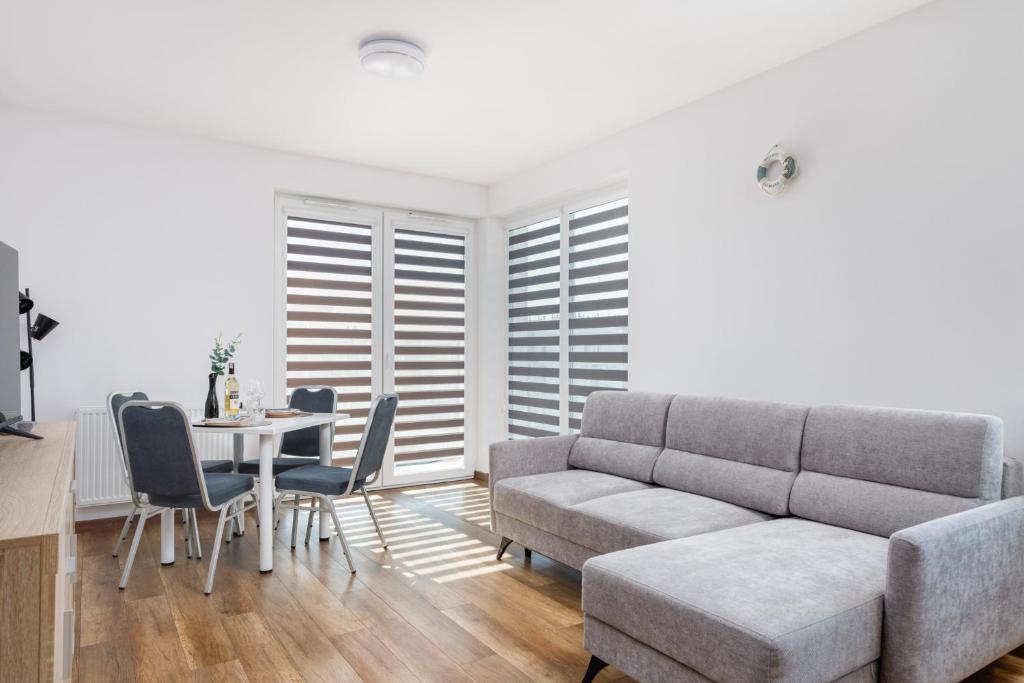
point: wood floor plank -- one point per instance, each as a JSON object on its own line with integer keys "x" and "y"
{"x": 494, "y": 592}
{"x": 533, "y": 652}
{"x": 318, "y": 603}
{"x": 145, "y": 580}
{"x": 572, "y": 638}
{"x": 435, "y": 607}
{"x": 371, "y": 659}
{"x": 196, "y": 619}
{"x": 225, "y": 672}
{"x": 155, "y": 647}
{"x": 105, "y": 662}
{"x": 428, "y": 661}
{"x": 495, "y": 669}
{"x": 103, "y": 615}
{"x": 483, "y": 536}
{"x": 309, "y": 650}
{"x": 260, "y": 653}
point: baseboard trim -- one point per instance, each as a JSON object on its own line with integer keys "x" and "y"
{"x": 101, "y": 513}
{"x": 480, "y": 476}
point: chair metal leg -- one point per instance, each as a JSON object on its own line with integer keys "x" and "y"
{"x": 309, "y": 522}
{"x": 212, "y": 571}
{"x": 594, "y": 668}
{"x": 373, "y": 516}
{"x": 329, "y": 504}
{"x": 184, "y": 516}
{"x": 295, "y": 521}
{"x": 277, "y": 509}
{"x": 188, "y": 532}
{"x": 505, "y": 543}
{"x": 124, "y": 531}
{"x": 256, "y": 499}
{"x": 232, "y": 521}
{"x": 134, "y": 549}
{"x": 240, "y": 521}
{"x": 195, "y": 535}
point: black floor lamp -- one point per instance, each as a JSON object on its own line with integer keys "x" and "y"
{"x": 42, "y": 326}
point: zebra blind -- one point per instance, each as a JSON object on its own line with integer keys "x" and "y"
{"x": 598, "y": 302}
{"x": 430, "y": 346}
{"x": 534, "y": 294}
{"x": 329, "y": 316}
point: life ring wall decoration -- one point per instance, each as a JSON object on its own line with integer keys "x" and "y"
{"x": 775, "y": 186}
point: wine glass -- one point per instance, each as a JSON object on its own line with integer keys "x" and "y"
{"x": 255, "y": 394}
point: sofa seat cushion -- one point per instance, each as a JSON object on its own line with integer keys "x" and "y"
{"x": 785, "y": 600}
{"x": 626, "y": 520}
{"x": 543, "y": 500}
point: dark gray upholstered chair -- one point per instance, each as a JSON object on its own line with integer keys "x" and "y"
{"x": 324, "y": 484}
{"x": 301, "y": 447}
{"x": 114, "y": 402}
{"x": 163, "y": 465}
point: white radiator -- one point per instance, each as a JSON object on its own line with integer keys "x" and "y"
{"x": 99, "y": 474}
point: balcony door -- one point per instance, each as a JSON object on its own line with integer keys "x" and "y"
{"x": 375, "y": 301}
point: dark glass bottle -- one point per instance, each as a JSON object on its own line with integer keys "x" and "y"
{"x": 212, "y": 404}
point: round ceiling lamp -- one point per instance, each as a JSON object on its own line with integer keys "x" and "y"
{"x": 392, "y": 58}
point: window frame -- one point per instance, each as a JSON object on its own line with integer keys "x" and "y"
{"x": 561, "y": 210}
{"x": 382, "y": 221}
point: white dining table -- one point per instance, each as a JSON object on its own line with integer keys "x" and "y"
{"x": 269, "y": 434}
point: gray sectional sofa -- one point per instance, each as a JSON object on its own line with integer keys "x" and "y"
{"x": 735, "y": 541}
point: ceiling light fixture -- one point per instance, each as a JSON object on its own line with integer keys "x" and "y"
{"x": 392, "y": 58}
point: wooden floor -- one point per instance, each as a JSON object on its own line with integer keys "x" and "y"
{"x": 435, "y": 607}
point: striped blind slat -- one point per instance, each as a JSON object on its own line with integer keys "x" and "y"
{"x": 329, "y": 318}
{"x": 598, "y": 302}
{"x": 430, "y": 349}
{"x": 534, "y": 272}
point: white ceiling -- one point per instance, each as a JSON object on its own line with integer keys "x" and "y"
{"x": 509, "y": 83}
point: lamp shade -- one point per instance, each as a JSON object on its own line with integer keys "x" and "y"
{"x": 44, "y": 325}
{"x": 24, "y": 304}
{"x": 26, "y": 360}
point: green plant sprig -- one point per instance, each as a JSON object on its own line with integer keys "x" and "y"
{"x": 221, "y": 354}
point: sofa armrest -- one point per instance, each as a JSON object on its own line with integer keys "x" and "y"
{"x": 954, "y": 596}
{"x": 527, "y": 456}
{"x": 1013, "y": 478}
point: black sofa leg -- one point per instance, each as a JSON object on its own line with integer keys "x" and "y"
{"x": 527, "y": 553}
{"x": 594, "y": 668}
{"x": 505, "y": 542}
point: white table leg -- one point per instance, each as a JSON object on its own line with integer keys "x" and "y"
{"x": 167, "y": 537}
{"x": 266, "y": 503}
{"x": 238, "y": 449}
{"x": 326, "y": 456}
{"x": 237, "y": 454}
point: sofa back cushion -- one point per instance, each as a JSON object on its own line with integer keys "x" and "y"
{"x": 623, "y": 433}
{"x": 743, "y": 452}
{"x": 879, "y": 470}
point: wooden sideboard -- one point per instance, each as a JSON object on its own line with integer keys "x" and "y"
{"x": 37, "y": 555}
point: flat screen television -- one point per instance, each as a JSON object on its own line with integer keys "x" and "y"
{"x": 10, "y": 338}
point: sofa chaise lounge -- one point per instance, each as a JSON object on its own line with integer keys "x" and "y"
{"x": 741, "y": 541}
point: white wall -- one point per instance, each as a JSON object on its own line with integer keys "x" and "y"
{"x": 145, "y": 245}
{"x": 891, "y": 271}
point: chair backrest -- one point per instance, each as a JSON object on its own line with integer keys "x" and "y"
{"x": 114, "y": 402}
{"x": 305, "y": 443}
{"x": 376, "y": 436}
{"x": 158, "y": 445}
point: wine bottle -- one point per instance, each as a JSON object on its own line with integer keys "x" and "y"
{"x": 232, "y": 402}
